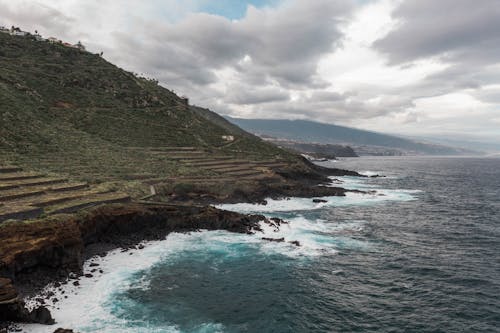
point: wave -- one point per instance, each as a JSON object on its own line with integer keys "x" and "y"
{"x": 304, "y": 204}
{"x": 89, "y": 307}
{"x": 92, "y": 307}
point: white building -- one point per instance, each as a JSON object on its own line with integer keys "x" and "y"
{"x": 18, "y": 33}
{"x": 15, "y": 31}
{"x": 228, "y": 138}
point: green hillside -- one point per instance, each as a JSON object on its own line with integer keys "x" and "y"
{"x": 77, "y": 131}
{"x": 66, "y": 111}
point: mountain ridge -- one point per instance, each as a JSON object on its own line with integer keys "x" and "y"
{"x": 361, "y": 140}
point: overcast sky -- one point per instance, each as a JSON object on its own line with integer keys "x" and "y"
{"x": 413, "y": 67}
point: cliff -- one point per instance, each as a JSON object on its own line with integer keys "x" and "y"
{"x": 34, "y": 253}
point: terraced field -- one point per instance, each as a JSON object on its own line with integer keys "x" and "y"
{"x": 25, "y": 195}
{"x": 214, "y": 165}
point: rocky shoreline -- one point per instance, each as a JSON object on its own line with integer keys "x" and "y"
{"x": 35, "y": 254}
{"x": 295, "y": 181}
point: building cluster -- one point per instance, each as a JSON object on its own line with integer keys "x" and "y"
{"x": 16, "y": 31}
{"x": 228, "y": 138}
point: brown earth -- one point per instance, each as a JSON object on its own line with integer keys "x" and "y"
{"x": 33, "y": 254}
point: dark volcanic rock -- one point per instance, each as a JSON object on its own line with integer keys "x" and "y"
{"x": 8, "y": 294}
{"x": 13, "y": 310}
{"x": 62, "y": 330}
{"x": 41, "y": 315}
{"x": 278, "y": 221}
{"x": 36, "y": 254}
{"x": 278, "y": 240}
{"x": 319, "y": 201}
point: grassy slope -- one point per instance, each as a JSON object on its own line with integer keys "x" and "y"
{"x": 72, "y": 112}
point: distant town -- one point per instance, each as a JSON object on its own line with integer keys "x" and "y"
{"x": 16, "y": 31}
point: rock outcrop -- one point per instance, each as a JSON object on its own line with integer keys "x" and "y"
{"x": 13, "y": 309}
{"x": 37, "y": 253}
{"x": 8, "y": 294}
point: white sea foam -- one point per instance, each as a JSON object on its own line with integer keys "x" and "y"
{"x": 369, "y": 173}
{"x": 316, "y": 237}
{"x": 303, "y": 204}
{"x": 88, "y": 307}
{"x": 85, "y": 308}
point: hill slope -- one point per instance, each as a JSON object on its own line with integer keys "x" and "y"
{"x": 64, "y": 110}
{"x": 309, "y": 131}
{"x": 77, "y": 131}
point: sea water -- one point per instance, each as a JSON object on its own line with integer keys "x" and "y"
{"x": 419, "y": 254}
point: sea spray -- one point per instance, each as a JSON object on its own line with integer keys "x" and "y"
{"x": 123, "y": 297}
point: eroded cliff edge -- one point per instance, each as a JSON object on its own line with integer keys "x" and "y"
{"x": 32, "y": 254}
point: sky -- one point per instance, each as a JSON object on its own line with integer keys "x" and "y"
{"x": 411, "y": 67}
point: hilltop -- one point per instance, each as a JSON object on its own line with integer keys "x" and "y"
{"x": 363, "y": 142}
{"x": 77, "y": 130}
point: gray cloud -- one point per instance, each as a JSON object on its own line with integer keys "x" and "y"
{"x": 246, "y": 95}
{"x": 266, "y": 63}
{"x": 284, "y": 44}
{"x": 35, "y": 16}
{"x": 456, "y": 30}
{"x": 463, "y": 34}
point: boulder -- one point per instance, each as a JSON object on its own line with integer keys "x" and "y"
{"x": 278, "y": 240}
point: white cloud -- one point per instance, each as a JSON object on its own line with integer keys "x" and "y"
{"x": 384, "y": 65}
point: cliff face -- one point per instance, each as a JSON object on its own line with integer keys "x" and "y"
{"x": 54, "y": 243}
{"x": 8, "y": 294}
{"x": 58, "y": 242}
{"x": 12, "y": 308}
{"x": 34, "y": 254}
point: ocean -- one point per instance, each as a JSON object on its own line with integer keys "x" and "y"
{"x": 421, "y": 254}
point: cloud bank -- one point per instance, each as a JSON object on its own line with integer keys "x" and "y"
{"x": 419, "y": 67}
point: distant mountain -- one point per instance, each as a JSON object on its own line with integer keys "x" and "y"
{"x": 489, "y": 147}
{"x": 363, "y": 142}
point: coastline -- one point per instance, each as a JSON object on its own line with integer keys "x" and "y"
{"x": 58, "y": 247}
{"x": 64, "y": 243}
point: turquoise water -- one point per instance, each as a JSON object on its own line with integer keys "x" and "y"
{"x": 420, "y": 255}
